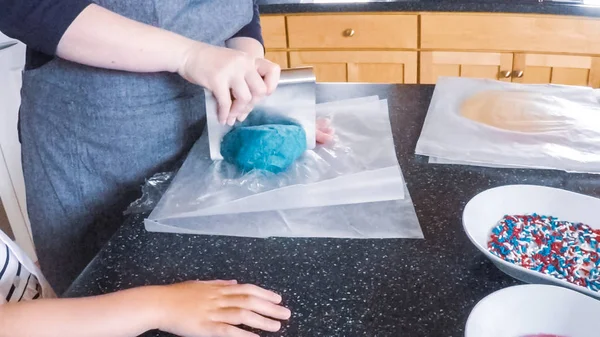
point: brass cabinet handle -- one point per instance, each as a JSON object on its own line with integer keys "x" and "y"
{"x": 349, "y": 32}
{"x": 505, "y": 73}
{"x": 517, "y": 74}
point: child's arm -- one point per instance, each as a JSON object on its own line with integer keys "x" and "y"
{"x": 187, "y": 309}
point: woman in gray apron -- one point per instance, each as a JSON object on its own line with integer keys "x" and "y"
{"x": 90, "y": 136}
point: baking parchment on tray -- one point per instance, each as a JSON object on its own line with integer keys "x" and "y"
{"x": 512, "y": 125}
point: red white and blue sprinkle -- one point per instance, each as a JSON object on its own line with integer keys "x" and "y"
{"x": 562, "y": 249}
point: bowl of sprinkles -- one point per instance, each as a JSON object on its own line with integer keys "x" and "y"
{"x": 561, "y": 249}
{"x": 538, "y": 234}
{"x": 515, "y": 312}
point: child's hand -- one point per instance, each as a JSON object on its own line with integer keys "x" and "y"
{"x": 214, "y": 308}
{"x": 324, "y": 131}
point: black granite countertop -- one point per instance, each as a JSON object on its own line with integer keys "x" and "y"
{"x": 558, "y": 7}
{"x": 339, "y": 287}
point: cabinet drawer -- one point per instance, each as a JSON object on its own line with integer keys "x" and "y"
{"x": 353, "y": 31}
{"x": 501, "y": 32}
{"x": 273, "y": 29}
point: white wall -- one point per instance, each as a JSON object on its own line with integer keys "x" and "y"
{"x": 12, "y": 187}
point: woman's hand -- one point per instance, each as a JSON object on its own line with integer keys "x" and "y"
{"x": 215, "y": 308}
{"x": 237, "y": 80}
{"x": 325, "y": 132}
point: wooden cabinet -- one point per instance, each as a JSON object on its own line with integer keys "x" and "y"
{"x": 275, "y": 37}
{"x": 274, "y": 31}
{"x": 518, "y": 67}
{"x": 524, "y": 44}
{"x": 557, "y": 69}
{"x": 510, "y": 32}
{"x": 329, "y": 66}
{"x": 496, "y": 66}
{"x": 279, "y": 57}
{"x": 359, "y": 66}
{"x": 353, "y": 31}
{"x": 394, "y": 47}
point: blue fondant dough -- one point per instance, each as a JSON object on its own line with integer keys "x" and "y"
{"x": 264, "y": 142}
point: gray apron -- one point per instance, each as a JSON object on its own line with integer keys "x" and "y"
{"x": 90, "y": 136}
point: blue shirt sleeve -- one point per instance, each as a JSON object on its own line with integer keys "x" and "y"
{"x": 40, "y": 24}
{"x": 253, "y": 29}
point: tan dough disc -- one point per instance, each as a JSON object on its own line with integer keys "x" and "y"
{"x": 517, "y": 111}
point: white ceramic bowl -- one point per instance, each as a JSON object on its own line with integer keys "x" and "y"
{"x": 484, "y": 211}
{"x": 534, "y": 309}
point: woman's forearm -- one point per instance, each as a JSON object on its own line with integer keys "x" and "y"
{"x": 123, "y": 314}
{"x": 101, "y": 38}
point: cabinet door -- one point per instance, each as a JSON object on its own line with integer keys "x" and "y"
{"x": 359, "y": 66}
{"x": 465, "y": 64}
{"x": 273, "y": 31}
{"x": 557, "y": 69}
{"x": 279, "y": 57}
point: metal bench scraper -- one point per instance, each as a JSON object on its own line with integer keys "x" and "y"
{"x": 294, "y": 97}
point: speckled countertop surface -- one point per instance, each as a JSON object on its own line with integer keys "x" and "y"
{"x": 347, "y": 287}
{"x": 565, "y": 7}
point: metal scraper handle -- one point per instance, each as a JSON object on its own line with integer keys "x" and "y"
{"x": 297, "y": 75}
{"x": 294, "y": 76}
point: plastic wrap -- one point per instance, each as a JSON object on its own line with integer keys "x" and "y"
{"x": 206, "y": 187}
{"x": 352, "y": 187}
{"x": 152, "y": 190}
{"x": 384, "y": 219}
{"x": 498, "y": 124}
